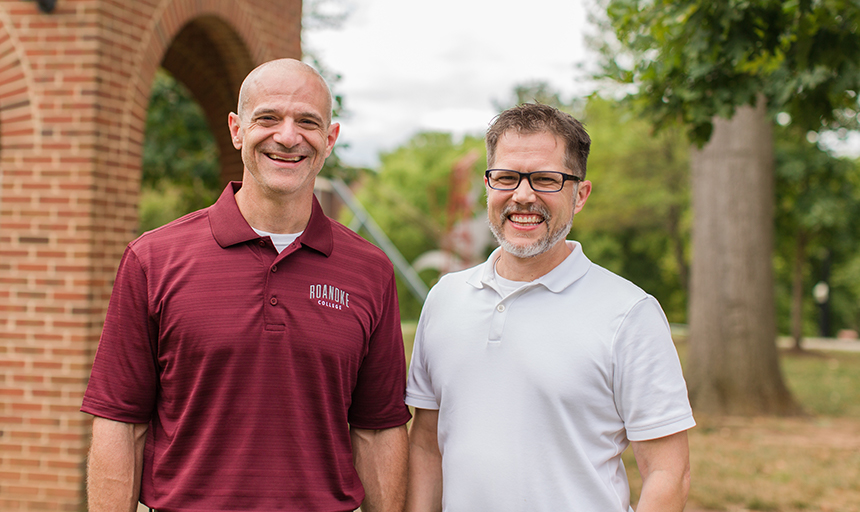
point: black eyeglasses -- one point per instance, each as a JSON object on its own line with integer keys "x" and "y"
{"x": 541, "y": 181}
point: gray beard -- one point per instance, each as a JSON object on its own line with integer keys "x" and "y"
{"x": 537, "y": 247}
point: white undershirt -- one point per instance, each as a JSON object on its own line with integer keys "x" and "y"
{"x": 506, "y": 286}
{"x": 281, "y": 240}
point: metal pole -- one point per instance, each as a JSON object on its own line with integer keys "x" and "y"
{"x": 413, "y": 282}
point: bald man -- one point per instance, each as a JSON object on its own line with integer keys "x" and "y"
{"x": 251, "y": 358}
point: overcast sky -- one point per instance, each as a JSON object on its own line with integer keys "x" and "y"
{"x": 412, "y": 66}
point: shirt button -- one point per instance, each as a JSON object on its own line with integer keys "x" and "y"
{"x": 500, "y": 308}
{"x": 262, "y": 242}
{"x": 274, "y": 268}
{"x": 273, "y": 301}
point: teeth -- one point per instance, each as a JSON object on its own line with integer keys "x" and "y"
{"x": 282, "y": 159}
{"x": 526, "y": 219}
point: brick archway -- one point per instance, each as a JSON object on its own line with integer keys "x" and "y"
{"x": 74, "y": 91}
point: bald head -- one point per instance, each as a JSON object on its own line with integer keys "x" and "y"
{"x": 275, "y": 70}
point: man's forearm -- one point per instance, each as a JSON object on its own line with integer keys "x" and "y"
{"x": 664, "y": 493}
{"x": 380, "y": 460}
{"x": 424, "y": 489}
{"x": 114, "y": 466}
{"x": 665, "y": 468}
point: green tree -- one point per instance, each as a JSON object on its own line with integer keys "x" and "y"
{"x": 818, "y": 201}
{"x": 702, "y": 63}
{"x": 410, "y": 198}
{"x": 637, "y": 220}
{"x": 180, "y": 158}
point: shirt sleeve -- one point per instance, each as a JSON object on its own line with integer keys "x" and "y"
{"x": 419, "y": 388}
{"x": 650, "y": 391}
{"x": 123, "y": 383}
{"x": 377, "y": 399}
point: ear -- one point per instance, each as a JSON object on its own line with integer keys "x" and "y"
{"x": 331, "y": 138}
{"x": 235, "y": 135}
{"x": 582, "y": 193}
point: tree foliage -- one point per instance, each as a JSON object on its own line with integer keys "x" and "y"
{"x": 180, "y": 165}
{"x": 817, "y": 203}
{"x": 410, "y": 195}
{"x": 637, "y": 220}
{"x": 693, "y": 60}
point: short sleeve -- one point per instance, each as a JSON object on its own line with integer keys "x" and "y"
{"x": 377, "y": 400}
{"x": 419, "y": 389}
{"x": 123, "y": 383}
{"x": 650, "y": 391}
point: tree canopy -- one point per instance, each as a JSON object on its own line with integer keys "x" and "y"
{"x": 693, "y": 60}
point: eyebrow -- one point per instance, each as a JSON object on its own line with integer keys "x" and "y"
{"x": 269, "y": 110}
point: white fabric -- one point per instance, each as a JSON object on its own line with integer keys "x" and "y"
{"x": 538, "y": 393}
{"x": 280, "y": 240}
{"x": 504, "y": 286}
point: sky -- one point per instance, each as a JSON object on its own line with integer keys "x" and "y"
{"x": 412, "y": 66}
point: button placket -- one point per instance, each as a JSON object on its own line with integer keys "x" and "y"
{"x": 274, "y": 307}
{"x": 497, "y": 324}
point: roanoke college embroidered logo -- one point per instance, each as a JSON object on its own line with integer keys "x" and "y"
{"x": 329, "y": 296}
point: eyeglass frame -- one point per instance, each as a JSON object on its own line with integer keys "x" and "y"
{"x": 528, "y": 175}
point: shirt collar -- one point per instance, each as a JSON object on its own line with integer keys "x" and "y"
{"x": 229, "y": 227}
{"x": 573, "y": 267}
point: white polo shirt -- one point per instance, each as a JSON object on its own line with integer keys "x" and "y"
{"x": 540, "y": 392}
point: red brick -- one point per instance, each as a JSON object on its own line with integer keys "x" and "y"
{"x": 74, "y": 89}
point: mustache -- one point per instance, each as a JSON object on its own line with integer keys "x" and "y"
{"x": 275, "y": 147}
{"x": 531, "y": 208}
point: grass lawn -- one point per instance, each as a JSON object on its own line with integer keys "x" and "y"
{"x": 801, "y": 464}
{"x": 783, "y": 464}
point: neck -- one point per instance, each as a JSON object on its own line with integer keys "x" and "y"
{"x": 528, "y": 269}
{"x": 275, "y": 213}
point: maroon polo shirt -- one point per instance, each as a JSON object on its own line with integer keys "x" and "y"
{"x": 249, "y": 365}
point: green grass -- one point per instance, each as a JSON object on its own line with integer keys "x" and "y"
{"x": 828, "y": 385}
{"x": 809, "y": 463}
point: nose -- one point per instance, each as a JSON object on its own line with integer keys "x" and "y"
{"x": 287, "y": 134}
{"x": 524, "y": 192}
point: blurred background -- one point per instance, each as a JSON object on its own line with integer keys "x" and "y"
{"x": 725, "y": 170}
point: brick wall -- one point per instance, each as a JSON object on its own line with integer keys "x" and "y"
{"x": 74, "y": 89}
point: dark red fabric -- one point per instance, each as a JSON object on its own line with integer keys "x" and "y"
{"x": 249, "y": 365}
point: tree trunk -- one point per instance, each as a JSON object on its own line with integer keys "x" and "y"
{"x": 733, "y": 364}
{"x": 797, "y": 290}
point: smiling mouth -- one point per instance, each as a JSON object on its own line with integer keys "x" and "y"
{"x": 525, "y": 219}
{"x": 289, "y": 159}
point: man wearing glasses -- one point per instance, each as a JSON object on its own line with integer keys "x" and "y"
{"x": 532, "y": 372}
